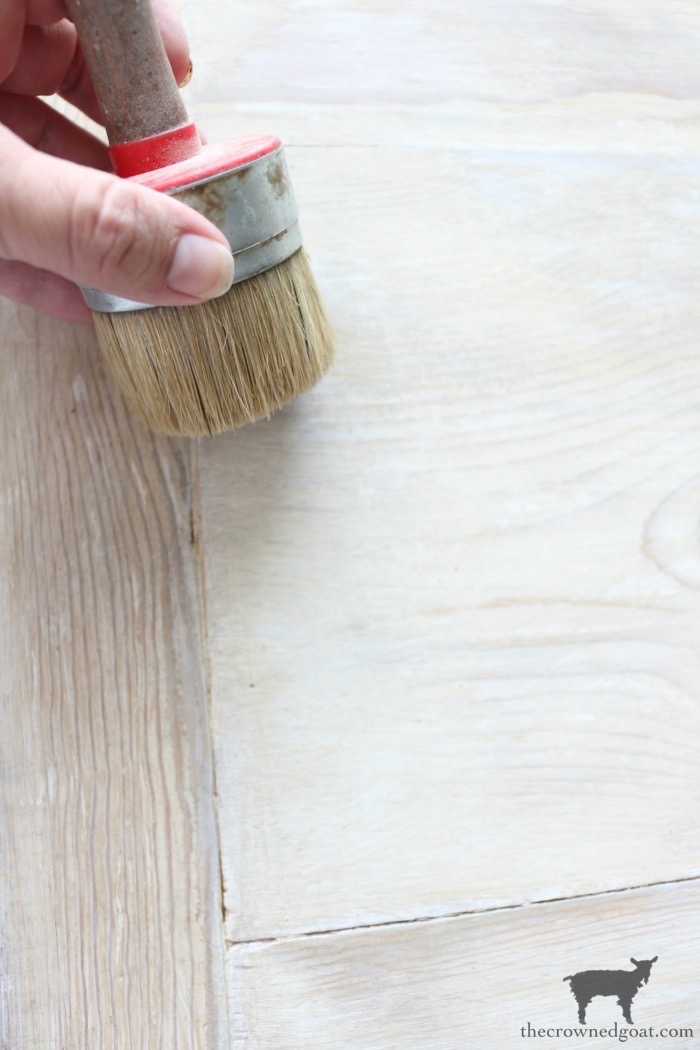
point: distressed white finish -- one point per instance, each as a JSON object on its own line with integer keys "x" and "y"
{"x": 450, "y": 599}
{"x": 452, "y": 595}
{"x": 477, "y": 980}
{"x": 110, "y": 901}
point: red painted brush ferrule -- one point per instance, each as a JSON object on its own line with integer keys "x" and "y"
{"x": 178, "y": 158}
{"x": 207, "y": 162}
{"x": 156, "y": 151}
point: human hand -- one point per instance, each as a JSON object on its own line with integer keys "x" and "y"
{"x": 63, "y": 217}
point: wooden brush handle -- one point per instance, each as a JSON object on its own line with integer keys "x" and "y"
{"x": 133, "y": 80}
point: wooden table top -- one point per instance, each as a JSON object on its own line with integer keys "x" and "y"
{"x": 365, "y": 726}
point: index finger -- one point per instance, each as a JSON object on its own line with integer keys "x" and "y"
{"x": 49, "y": 60}
{"x": 44, "y": 12}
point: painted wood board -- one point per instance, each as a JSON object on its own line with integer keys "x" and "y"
{"x": 110, "y": 903}
{"x": 353, "y": 52}
{"x": 452, "y": 594}
{"x": 477, "y": 980}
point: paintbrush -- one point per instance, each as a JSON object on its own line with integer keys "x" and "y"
{"x": 205, "y": 368}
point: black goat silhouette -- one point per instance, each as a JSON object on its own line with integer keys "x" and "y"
{"x": 623, "y": 983}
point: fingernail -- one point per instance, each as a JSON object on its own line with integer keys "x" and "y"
{"x": 187, "y": 77}
{"x": 200, "y": 267}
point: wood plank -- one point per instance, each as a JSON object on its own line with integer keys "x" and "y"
{"x": 362, "y": 51}
{"x": 477, "y": 980}
{"x": 110, "y": 911}
{"x": 453, "y": 593}
{"x": 456, "y": 586}
{"x": 600, "y": 124}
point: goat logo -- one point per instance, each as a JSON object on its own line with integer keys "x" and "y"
{"x": 623, "y": 983}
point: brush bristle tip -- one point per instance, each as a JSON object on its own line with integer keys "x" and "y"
{"x": 200, "y": 370}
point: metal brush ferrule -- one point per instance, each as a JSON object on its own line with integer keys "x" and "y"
{"x": 253, "y": 206}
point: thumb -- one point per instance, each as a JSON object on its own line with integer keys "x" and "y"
{"x": 106, "y": 232}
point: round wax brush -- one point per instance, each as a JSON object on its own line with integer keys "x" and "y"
{"x": 201, "y": 369}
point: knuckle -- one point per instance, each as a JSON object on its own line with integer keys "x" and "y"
{"x": 125, "y": 244}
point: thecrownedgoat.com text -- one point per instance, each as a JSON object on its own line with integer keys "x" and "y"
{"x": 615, "y": 1031}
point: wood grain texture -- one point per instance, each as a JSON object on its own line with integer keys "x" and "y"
{"x": 476, "y": 980}
{"x": 506, "y": 51}
{"x": 110, "y": 912}
{"x": 453, "y": 594}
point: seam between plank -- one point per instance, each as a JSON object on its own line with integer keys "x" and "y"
{"x": 519, "y": 906}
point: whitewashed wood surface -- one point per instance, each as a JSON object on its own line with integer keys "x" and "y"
{"x": 452, "y": 595}
{"x": 409, "y": 673}
{"x": 476, "y": 980}
{"x": 110, "y": 903}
